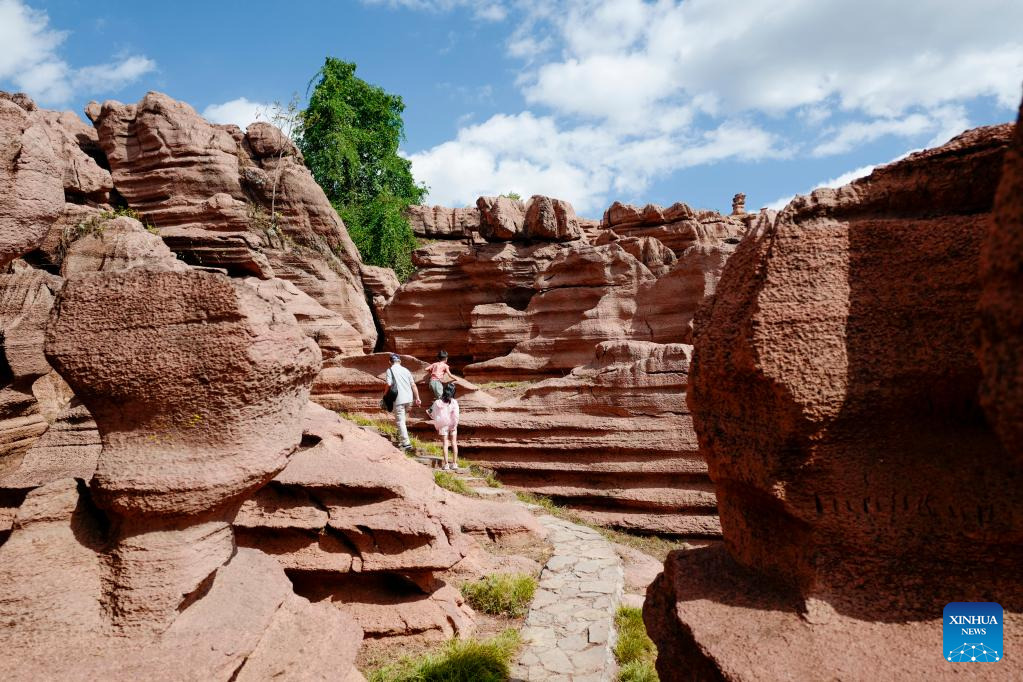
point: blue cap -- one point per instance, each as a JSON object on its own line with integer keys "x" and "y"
{"x": 395, "y": 357}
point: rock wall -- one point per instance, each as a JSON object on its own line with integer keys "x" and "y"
{"x": 170, "y": 500}
{"x": 243, "y": 202}
{"x": 837, "y": 401}
{"x": 596, "y": 316}
{"x": 119, "y": 561}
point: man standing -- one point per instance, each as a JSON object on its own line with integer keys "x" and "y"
{"x": 401, "y": 380}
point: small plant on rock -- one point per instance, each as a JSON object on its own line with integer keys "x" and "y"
{"x": 507, "y": 594}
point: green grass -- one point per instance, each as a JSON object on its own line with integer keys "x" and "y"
{"x": 486, "y": 474}
{"x": 654, "y": 545}
{"x": 448, "y": 481}
{"x": 460, "y": 660}
{"x": 507, "y": 594}
{"x": 383, "y": 426}
{"x": 634, "y": 651}
{"x": 386, "y": 427}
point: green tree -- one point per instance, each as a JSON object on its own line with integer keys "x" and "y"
{"x": 349, "y": 137}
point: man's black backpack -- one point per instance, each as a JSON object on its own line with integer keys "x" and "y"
{"x": 387, "y": 402}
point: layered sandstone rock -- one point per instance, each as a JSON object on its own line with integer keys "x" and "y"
{"x": 31, "y": 178}
{"x": 240, "y": 201}
{"x": 677, "y": 227}
{"x": 837, "y": 402}
{"x": 441, "y": 222}
{"x": 516, "y": 311}
{"x": 434, "y": 309}
{"x": 25, "y": 302}
{"x": 358, "y": 525}
{"x": 618, "y": 442}
{"x": 137, "y": 573}
{"x": 622, "y": 289}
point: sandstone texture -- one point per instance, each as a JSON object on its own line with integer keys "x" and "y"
{"x": 239, "y": 201}
{"x": 358, "y": 525}
{"x": 170, "y": 501}
{"x": 618, "y": 442}
{"x": 1001, "y": 305}
{"x": 585, "y": 325}
{"x": 837, "y": 400}
{"x": 440, "y": 222}
{"x": 118, "y": 561}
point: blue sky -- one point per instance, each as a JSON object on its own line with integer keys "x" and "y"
{"x": 588, "y": 100}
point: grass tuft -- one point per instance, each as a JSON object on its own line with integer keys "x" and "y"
{"x": 507, "y": 594}
{"x": 634, "y": 651}
{"x": 460, "y": 660}
{"x": 448, "y": 481}
{"x": 386, "y": 427}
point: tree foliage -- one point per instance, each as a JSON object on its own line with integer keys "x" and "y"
{"x": 350, "y": 136}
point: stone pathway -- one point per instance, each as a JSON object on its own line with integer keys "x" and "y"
{"x": 569, "y": 631}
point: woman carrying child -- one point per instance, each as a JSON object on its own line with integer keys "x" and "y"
{"x": 444, "y": 414}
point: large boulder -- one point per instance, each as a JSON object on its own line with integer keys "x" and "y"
{"x": 197, "y": 387}
{"x": 837, "y": 402}
{"x": 244, "y": 202}
{"x": 1001, "y": 305}
{"x": 441, "y": 222}
{"x": 501, "y": 219}
{"x": 31, "y": 178}
{"x": 551, "y": 220}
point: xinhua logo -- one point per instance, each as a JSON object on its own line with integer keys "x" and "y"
{"x": 972, "y": 632}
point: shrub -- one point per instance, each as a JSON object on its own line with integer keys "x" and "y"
{"x": 634, "y": 651}
{"x": 506, "y": 594}
{"x": 459, "y": 661}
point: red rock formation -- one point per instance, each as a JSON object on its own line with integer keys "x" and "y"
{"x": 1001, "y": 305}
{"x": 501, "y": 219}
{"x": 617, "y": 445}
{"x": 836, "y": 400}
{"x": 624, "y": 289}
{"x": 434, "y": 308}
{"x": 440, "y": 222}
{"x": 517, "y": 312}
{"x": 211, "y": 189}
{"x": 25, "y": 302}
{"x": 677, "y": 227}
{"x": 31, "y": 178}
{"x": 359, "y": 525}
{"x": 137, "y": 573}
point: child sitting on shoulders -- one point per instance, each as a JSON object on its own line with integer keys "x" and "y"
{"x": 444, "y": 415}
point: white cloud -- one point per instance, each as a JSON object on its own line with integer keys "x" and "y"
{"x": 658, "y": 85}
{"x": 114, "y": 75}
{"x": 240, "y": 111}
{"x": 30, "y": 60}
{"x": 943, "y": 123}
{"x": 486, "y": 10}
{"x": 532, "y": 154}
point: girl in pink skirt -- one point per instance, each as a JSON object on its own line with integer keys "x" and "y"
{"x": 444, "y": 414}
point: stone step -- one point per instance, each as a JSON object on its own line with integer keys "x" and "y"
{"x": 432, "y": 462}
{"x": 495, "y": 493}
